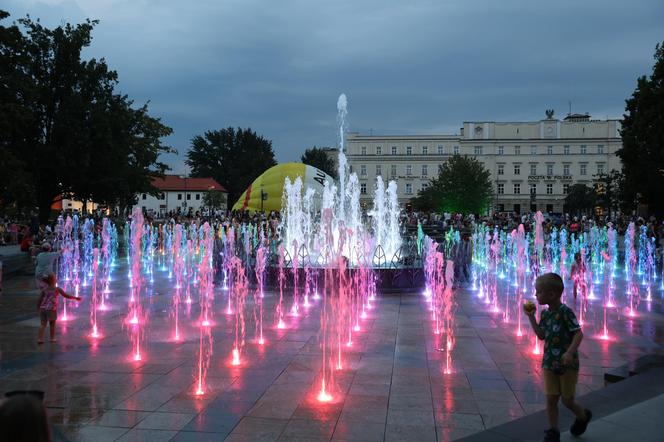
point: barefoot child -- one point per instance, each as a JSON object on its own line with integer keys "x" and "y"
{"x": 561, "y": 333}
{"x": 48, "y": 306}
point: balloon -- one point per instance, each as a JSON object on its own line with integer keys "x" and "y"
{"x": 271, "y": 184}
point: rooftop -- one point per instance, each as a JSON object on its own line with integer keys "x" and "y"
{"x": 175, "y": 182}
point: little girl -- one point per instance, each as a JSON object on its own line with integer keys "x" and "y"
{"x": 578, "y": 274}
{"x": 48, "y": 306}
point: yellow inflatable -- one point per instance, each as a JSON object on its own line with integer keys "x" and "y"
{"x": 270, "y": 186}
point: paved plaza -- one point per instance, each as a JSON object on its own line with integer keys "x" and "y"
{"x": 393, "y": 386}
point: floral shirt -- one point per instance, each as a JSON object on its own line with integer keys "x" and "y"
{"x": 50, "y": 300}
{"x": 559, "y": 329}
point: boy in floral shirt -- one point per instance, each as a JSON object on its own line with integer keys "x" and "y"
{"x": 562, "y": 335}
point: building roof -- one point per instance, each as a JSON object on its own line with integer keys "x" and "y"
{"x": 175, "y": 182}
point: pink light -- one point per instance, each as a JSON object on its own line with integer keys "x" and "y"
{"x": 324, "y": 396}
{"x": 281, "y": 324}
{"x": 356, "y": 328}
{"x": 605, "y": 336}
{"x": 137, "y": 357}
{"x": 133, "y": 320}
{"x": 363, "y": 315}
{"x": 236, "y": 357}
{"x": 206, "y": 323}
{"x": 261, "y": 341}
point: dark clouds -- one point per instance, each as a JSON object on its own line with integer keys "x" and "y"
{"x": 407, "y": 67}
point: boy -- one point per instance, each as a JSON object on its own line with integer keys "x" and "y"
{"x": 562, "y": 335}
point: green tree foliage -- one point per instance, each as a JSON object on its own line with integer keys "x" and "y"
{"x": 609, "y": 191}
{"x": 215, "y": 200}
{"x": 642, "y": 133}
{"x": 69, "y": 134}
{"x": 317, "y": 157}
{"x": 234, "y": 158}
{"x": 463, "y": 185}
{"x": 580, "y": 199}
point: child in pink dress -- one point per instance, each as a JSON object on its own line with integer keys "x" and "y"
{"x": 48, "y": 306}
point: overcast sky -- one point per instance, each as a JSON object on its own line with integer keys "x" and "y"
{"x": 406, "y": 67}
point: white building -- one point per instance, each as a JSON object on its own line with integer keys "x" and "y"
{"x": 532, "y": 164}
{"x": 179, "y": 194}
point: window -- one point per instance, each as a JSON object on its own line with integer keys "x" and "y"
{"x": 517, "y": 169}
{"x": 363, "y": 150}
{"x": 441, "y": 150}
{"x": 533, "y": 150}
{"x": 198, "y": 197}
{"x": 517, "y": 150}
{"x": 425, "y": 170}
{"x": 549, "y": 189}
{"x": 501, "y": 169}
{"x": 179, "y": 196}
{"x": 379, "y": 150}
{"x": 379, "y": 170}
{"x": 394, "y": 150}
{"x": 145, "y": 196}
{"x": 565, "y": 189}
{"x": 549, "y": 169}
{"x": 566, "y": 149}
{"x": 478, "y": 150}
{"x": 409, "y": 189}
{"x": 501, "y": 188}
{"x": 456, "y": 150}
{"x": 425, "y": 150}
{"x": 409, "y": 150}
{"x": 583, "y": 149}
{"x": 517, "y": 189}
{"x": 501, "y": 150}
{"x": 363, "y": 169}
{"x": 600, "y": 149}
{"x": 409, "y": 169}
{"x": 565, "y": 169}
{"x": 600, "y": 168}
{"x": 393, "y": 170}
{"x": 582, "y": 169}
{"x": 162, "y": 196}
{"x": 188, "y": 196}
{"x": 533, "y": 169}
{"x": 549, "y": 150}
{"x": 533, "y": 189}
{"x": 363, "y": 188}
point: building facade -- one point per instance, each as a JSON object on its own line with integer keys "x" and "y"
{"x": 532, "y": 164}
{"x": 179, "y": 194}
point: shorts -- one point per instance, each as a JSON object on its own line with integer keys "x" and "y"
{"x": 560, "y": 384}
{"x": 48, "y": 315}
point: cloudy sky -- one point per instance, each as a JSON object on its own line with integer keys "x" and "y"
{"x": 406, "y": 67}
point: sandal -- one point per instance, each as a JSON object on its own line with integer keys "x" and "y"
{"x": 579, "y": 426}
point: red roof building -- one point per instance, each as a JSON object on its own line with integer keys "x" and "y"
{"x": 175, "y": 182}
{"x": 180, "y": 194}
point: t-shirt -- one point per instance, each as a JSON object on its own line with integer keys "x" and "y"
{"x": 45, "y": 261}
{"x": 559, "y": 327}
{"x": 50, "y": 300}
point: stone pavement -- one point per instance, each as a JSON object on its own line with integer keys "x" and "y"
{"x": 392, "y": 388}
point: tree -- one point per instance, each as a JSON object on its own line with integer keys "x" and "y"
{"x": 71, "y": 134}
{"x": 580, "y": 199}
{"x": 317, "y": 157}
{"x": 642, "y": 132}
{"x": 215, "y": 200}
{"x": 234, "y": 158}
{"x": 609, "y": 191}
{"x": 463, "y": 185}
